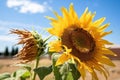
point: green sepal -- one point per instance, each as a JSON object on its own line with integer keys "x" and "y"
{"x": 74, "y": 71}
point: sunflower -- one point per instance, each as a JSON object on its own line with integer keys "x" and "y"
{"x": 82, "y": 41}
{"x": 30, "y": 45}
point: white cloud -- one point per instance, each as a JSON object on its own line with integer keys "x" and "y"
{"x": 25, "y": 6}
{"x": 6, "y": 25}
{"x": 7, "y": 38}
{"x": 2, "y": 28}
{"x": 15, "y": 3}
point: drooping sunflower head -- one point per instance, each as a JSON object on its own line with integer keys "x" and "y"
{"x": 30, "y": 45}
{"x": 85, "y": 37}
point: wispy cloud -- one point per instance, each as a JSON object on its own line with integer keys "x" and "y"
{"x": 3, "y": 28}
{"x": 6, "y": 26}
{"x": 28, "y": 6}
{"x": 7, "y": 38}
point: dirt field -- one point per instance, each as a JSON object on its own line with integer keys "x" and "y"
{"x": 6, "y": 66}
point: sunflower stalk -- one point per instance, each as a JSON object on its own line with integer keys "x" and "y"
{"x": 41, "y": 47}
{"x": 40, "y": 52}
{"x": 36, "y": 66}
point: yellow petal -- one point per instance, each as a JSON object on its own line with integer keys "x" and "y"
{"x": 66, "y": 16}
{"x": 105, "y": 60}
{"x": 50, "y": 18}
{"x": 98, "y": 22}
{"x": 105, "y": 72}
{"x": 82, "y": 70}
{"x": 58, "y": 16}
{"x": 101, "y": 69}
{"x": 83, "y": 15}
{"x": 88, "y": 19}
{"x": 108, "y": 52}
{"x": 53, "y": 47}
{"x": 104, "y": 27}
{"x": 105, "y": 33}
{"x": 73, "y": 14}
{"x": 94, "y": 76}
{"x": 67, "y": 51}
{"x": 90, "y": 65}
{"x": 50, "y": 30}
{"x": 105, "y": 42}
{"x": 62, "y": 59}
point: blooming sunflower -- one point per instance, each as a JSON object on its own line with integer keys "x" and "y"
{"x": 82, "y": 40}
{"x": 30, "y": 45}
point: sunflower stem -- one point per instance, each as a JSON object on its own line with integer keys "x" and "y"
{"x": 36, "y": 66}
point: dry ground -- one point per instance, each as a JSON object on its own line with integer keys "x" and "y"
{"x": 6, "y": 66}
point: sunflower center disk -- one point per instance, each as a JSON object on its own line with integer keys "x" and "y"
{"x": 81, "y": 42}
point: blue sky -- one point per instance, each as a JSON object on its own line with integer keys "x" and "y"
{"x": 25, "y": 14}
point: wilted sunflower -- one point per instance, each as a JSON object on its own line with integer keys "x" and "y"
{"x": 30, "y": 45}
{"x": 82, "y": 38}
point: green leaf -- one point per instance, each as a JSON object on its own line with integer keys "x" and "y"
{"x": 26, "y": 75}
{"x": 4, "y": 76}
{"x": 43, "y": 71}
{"x": 22, "y": 73}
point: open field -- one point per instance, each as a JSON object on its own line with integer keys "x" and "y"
{"x": 6, "y": 66}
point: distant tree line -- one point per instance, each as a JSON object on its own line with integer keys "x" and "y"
{"x": 6, "y": 52}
